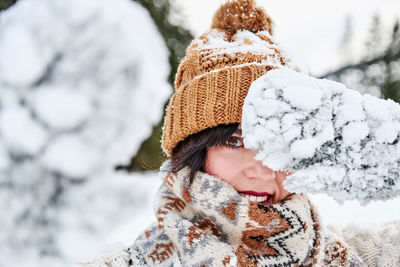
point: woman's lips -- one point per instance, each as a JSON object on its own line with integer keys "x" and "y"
{"x": 252, "y": 193}
{"x": 262, "y": 198}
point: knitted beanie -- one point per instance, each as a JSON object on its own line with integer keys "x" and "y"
{"x": 213, "y": 78}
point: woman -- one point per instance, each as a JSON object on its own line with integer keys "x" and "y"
{"x": 218, "y": 206}
{"x": 220, "y": 152}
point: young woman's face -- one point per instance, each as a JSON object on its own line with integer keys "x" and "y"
{"x": 236, "y": 165}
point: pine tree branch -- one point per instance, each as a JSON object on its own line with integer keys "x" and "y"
{"x": 363, "y": 65}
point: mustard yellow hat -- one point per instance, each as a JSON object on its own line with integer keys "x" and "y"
{"x": 214, "y": 76}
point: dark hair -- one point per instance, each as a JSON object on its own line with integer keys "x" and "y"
{"x": 192, "y": 151}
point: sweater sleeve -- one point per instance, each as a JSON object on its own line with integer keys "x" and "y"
{"x": 378, "y": 247}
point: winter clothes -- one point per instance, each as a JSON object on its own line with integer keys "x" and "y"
{"x": 210, "y": 224}
{"x": 213, "y": 78}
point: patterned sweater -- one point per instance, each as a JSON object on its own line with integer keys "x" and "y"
{"x": 209, "y": 224}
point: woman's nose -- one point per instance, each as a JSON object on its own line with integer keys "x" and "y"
{"x": 256, "y": 170}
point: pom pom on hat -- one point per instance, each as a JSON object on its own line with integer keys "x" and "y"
{"x": 241, "y": 15}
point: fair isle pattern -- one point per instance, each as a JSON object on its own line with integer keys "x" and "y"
{"x": 210, "y": 224}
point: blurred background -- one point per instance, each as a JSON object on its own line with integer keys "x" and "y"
{"x": 83, "y": 87}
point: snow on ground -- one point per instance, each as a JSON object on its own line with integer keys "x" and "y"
{"x": 334, "y": 139}
{"x": 81, "y": 85}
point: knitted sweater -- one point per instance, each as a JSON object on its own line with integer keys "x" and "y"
{"x": 209, "y": 224}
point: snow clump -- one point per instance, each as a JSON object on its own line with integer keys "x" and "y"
{"x": 334, "y": 139}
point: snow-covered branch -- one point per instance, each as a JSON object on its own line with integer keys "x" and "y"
{"x": 81, "y": 85}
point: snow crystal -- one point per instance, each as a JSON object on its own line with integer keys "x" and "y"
{"x": 81, "y": 85}
{"x": 333, "y": 139}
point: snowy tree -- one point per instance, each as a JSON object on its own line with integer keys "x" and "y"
{"x": 6, "y": 3}
{"x": 177, "y": 38}
{"x": 81, "y": 85}
{"x": 377, "y": 72}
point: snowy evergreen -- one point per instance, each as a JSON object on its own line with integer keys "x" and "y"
{"x": 81, "y": 85}
{"x": 334, "y": 139}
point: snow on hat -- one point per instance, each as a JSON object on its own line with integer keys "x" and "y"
{"x": 214, "y": 77}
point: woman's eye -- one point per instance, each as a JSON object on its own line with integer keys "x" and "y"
{"x": 234, "y": 142}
